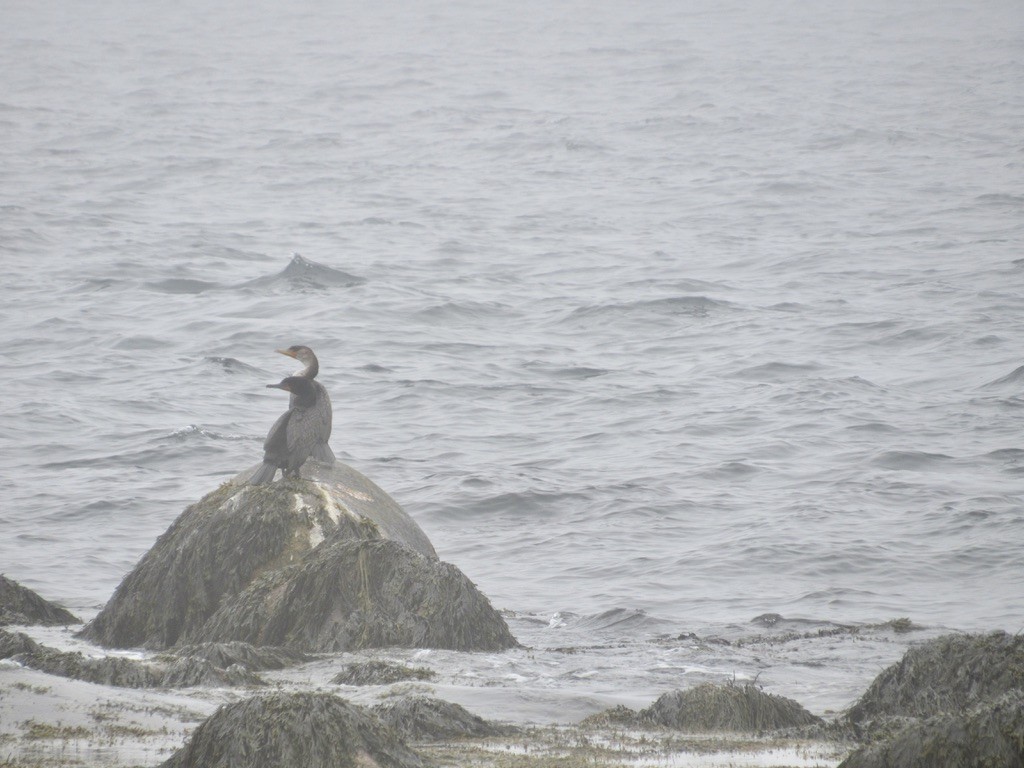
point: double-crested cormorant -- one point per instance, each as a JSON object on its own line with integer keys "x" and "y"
{"x": 321, "y": 451}
{"x": 292, "y": 438}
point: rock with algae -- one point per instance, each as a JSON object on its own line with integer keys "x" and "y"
{"x": 379, "y": 673}
{"x": 212, "y": 664}
{"x": 350, "y": 595}
{"x": 710, "y": 708}
{"x": 989, "y": 734}
{"x": 295, "y": 564}
{"x": 957, "y": 700}
{"x": 424, "y": 718}
{"x": 20, "y": 605}
{"x": 737, "y": 708}
{"x": 312, "y": 730}
{"x": 947, "y": 674}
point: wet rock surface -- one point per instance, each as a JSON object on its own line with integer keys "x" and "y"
{"x": 215, "y": 665}
{"x": 20, "y": 605}
{"x": 324, "y": 563}
{"x": 947, "y": 674}
{"x": 957, "y": 700}
{"x": 224, "y": 655}
{"x": 379, "y": 673}
{"x": 743, "y": 708}
{"x": 423, "y": 718}
{"x": 313, "y": 730}
{"x": 988, "y": 734}
{"x": 710, "y": 708}
{"x": 350, "y": 595}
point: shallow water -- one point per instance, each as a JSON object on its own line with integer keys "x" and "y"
{"x": 656, "y": 318}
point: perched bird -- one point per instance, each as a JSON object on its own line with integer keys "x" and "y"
{"x": 324, "y": 416}
{"x": 292, "y": 438}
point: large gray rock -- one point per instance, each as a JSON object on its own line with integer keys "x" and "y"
{"x": 20, "y": 605}
{"x": 359, "y": 496}
{"x": 947, "y": 674}
{"x": 988, "y": 734}
{"x": 350, "y": 595}
{"x": 311, "y": 730}
{"x": 355, "y": 570}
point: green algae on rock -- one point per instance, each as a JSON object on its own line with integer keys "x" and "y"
{"x": 711, "y": 708}
{"x": 20, "y": 605}
{"x": 988, "y": 734}
{"x": 351, "y": 595}
{"x": 220, "y": 571}
{"x": 424, "y": 718}
{"x": 946, "y": 674}
{"x": 294, "y": 729}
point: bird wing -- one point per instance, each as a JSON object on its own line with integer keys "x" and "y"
{"x": 277, "y": 437}
{"x": 324, "y": 414}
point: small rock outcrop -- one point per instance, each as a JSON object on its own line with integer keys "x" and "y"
{"x": 988, "y": 734}
{"x": 21, "y": 606}
{"x": 328, "y": 562}
{"x": 710, "y": 708}
{"x": 423, "y": 718}
{"x": 211, "y": 665}
{"x": 739, "y": 708}
{"x": 379, "y": 673}
{"x": 13, "y": 643}
{"x": 315, "y": 730}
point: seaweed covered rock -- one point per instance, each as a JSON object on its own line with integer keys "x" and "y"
{"x": 13, "y": 643}
{"x": 242, "y": 546}
{"x": 989, "y": 734}
{"x": 314, "y": 730}
{"x": 225, "y": 655}
{"x": 379, "y": 673}
{"x": 349, "y": 595}
{"x": 170, "y": 671}
{"x": 20, "y": 605}
{"x": 946, "y": 674}
{"x": 710, "y": 707}
{"x": 115, "y": 671}
{"x": 422, "y": 718}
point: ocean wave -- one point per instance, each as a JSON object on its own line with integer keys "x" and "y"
{"x": 912, "y": 460}
{"x": 675, "y": 306}
{"x": 181, "y": 285}
{"x": 301, "y": 273}
{"x": 1014, "y": 378}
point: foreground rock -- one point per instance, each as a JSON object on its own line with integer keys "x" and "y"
{"x": 957, "y": 697}
{"x": 294, "y": 729}
{"x": 324, "y": 563}
{"x": 351, "y": 595}
{"x": 20, "y": 605}
{"x": 989, "y": 734}
{"x": 947, "y": 674}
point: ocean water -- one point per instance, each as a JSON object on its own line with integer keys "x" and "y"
{"x": 657, "y": 316}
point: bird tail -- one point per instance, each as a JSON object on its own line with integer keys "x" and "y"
{"x": 323, "y": 453}
{"x": 264, "y": 475}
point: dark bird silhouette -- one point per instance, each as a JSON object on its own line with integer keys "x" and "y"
{"x": 324, "y": 415}
{"x": 294, "y": 435}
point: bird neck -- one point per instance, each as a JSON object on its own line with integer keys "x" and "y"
{"x": 312, "y": 368}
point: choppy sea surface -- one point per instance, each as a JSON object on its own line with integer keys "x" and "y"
{"x": 657, "y": 317}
